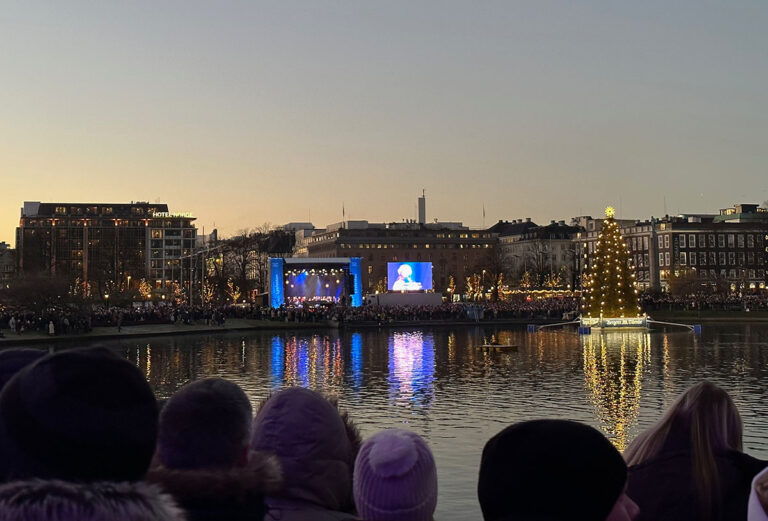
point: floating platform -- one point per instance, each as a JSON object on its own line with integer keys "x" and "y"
{"x": 615, "y": 323}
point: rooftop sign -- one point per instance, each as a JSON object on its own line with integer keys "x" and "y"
{"x": 165, "y": 215}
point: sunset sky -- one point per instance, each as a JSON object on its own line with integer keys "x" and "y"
{"x": 247, "y": 112}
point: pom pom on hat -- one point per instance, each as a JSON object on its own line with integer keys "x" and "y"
{"x": 395, "y": 478}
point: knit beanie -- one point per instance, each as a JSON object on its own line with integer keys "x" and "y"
{"x": 205, "y": 424}
{"x": 550, "y": 470}
{"x": 78, "y": 415}
{"x": 14, "y": 360}
{"x": 395, "y": 478}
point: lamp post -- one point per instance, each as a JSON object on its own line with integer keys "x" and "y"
{"x": 106, "y": 298}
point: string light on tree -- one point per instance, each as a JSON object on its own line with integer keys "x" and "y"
{"x": 611, "y": 291}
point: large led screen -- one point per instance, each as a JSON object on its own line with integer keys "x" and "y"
{"x": 409, "y": 276}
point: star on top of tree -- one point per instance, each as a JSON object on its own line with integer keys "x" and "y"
{"x": 610, "y": 212}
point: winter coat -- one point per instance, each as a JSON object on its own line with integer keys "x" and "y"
{"x": 235, "y": 494}
{"x": 316, "y": 447}
{"x": 53, "y": 500}
{"x": 664, "y": 489}
{"x": 755, "y": 509}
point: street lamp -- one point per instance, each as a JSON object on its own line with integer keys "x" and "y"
{"x": 106, "y": 297}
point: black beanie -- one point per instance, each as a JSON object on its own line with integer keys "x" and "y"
{"x": 78, "y": 415}
{"x": 550, "y": 470}
{"x": 14, "y": 360}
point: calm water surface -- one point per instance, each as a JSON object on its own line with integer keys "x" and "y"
{"x": 439, "y": 384}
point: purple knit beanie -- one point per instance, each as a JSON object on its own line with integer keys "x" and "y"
{"x": 395, "y": 478}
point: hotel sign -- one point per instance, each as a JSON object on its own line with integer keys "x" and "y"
{"x": 167, "y": 215}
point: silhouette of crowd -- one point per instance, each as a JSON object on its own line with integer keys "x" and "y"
{"x": 82, "y": 437}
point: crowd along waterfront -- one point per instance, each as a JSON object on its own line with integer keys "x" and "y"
{"x": 438, "y": 383}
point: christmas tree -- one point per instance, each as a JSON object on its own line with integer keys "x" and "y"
{"x": 610, "y": 289}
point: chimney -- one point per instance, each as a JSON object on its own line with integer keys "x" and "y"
{"x": 423, "y": 208}
{"x": 527, "y": 219}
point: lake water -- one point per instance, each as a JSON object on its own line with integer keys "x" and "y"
{"x": 436, "y": 381}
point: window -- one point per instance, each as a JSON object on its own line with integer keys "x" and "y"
{"x": 720, "y": 240}
{"x": 721, "y": 258}
{"x": 691, "y": 241}
{"x": 750, "y": 241}
{"x": 666, "y": 242}
{"x": 645, "y": 259}
{"x": 711, "y": 240}
{"x": 683, "y": 259}
{"x": 740, "y": 238}
{"x": 702, "y": 240}
{"x": 661, "y": 241}
{"x": 157, "y": 234}
{"x": 703, "y": 258}
{"x": 731, "y": 240}
{"x": 682, "y": 241}
{"x": 666, "y": 256}
{"x": 731, "y": 258}
{"x": 645, "y": 242}
{"x": 76, "y": 210}
{"x": 634, "y": 243}
{"x": 751, "y": 258}
{"x": 751, "y": 274}
{"x": 61, "y": 210}
{"x": 740, "y": 258}
{"x": 106, "y": 210}
{"x": 692, "y": 258}
{"x": 661, "y": 259}
{"x": 712, "y": 258}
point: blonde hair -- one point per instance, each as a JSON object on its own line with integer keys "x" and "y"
{"x": 707, "y": 416}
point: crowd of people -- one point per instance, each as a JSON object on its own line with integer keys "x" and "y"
{"x": 82, "y": 437}
{"x": 728, "y": 302}
{"x": 65, "y": 321}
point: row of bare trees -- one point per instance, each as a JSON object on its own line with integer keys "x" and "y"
{"x": 237, "y": 268}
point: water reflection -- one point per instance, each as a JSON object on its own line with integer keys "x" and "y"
{"x": 439, "y": 383}
{"x": 613, "y": 376}
{"x": 411, "y": 368}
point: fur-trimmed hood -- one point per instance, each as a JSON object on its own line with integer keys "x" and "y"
{"x": 260, "y": 477}
{"x": 53, "y": 500}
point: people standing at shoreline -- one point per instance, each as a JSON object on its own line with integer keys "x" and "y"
{"x": 553, "y": 470}
{"x": 203, "y": 451}
{"x": 690, "y": 464}
{"x": 395, "y": 478}
{"x": 77, "y": 434}
{"x": 316, "y": 446}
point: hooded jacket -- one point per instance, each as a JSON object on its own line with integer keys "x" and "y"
{"x": 755, "y": 511}
{"x": 316, "y": 447}
{"x": 664, "y": 489}
{"x": 53, "y": 500}
{"x": 235, "y": 494}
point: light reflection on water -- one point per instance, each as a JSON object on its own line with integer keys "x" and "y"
{"x": 439, "y": 384}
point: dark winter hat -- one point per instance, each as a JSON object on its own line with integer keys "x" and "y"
{"x": 14, "y": 360}
{"x": 395, "y": 478}
{"x": 206, "y": 424}
{"x": 79, "y": 415}
{"x": 550, "y": 470}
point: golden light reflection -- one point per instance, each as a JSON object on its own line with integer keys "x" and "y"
{"x": 613, "y": 371}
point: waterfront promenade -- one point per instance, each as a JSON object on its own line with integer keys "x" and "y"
{"x": 246, "y": 324}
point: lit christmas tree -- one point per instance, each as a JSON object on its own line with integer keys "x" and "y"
{"x": 610, "y": 290}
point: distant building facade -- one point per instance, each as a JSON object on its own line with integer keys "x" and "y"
{"x": 726, "y": 248}
{"x": 548, "y": 254}
{"x": 7, "y": 264}
{"x": 454, "y": 250}
{"x": 106, "y": 243}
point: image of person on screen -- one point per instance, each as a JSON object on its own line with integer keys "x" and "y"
{"x": 404, "y": 280}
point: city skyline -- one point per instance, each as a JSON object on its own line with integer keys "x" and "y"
{"x": 286, "y": 112}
